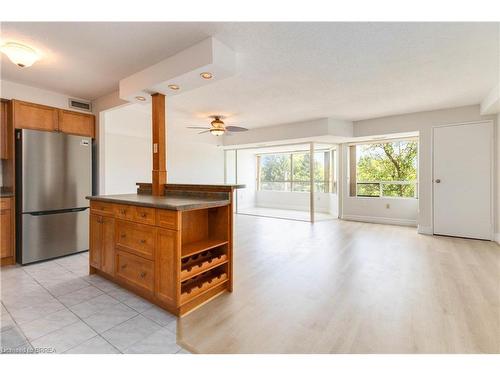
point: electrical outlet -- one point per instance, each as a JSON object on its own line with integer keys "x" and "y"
{"x": 387, "y": 206}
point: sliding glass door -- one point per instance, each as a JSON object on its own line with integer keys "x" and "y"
{"x": 295, "y": 181}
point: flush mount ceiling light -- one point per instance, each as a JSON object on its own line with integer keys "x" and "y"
{"x": 141, "y": 98}
{"x": 20, "y": 54}
{"x": 173, "y": 87}
{"x": 206, "y": 75}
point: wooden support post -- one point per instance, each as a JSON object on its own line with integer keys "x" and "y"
{"x": 159, "y": 145}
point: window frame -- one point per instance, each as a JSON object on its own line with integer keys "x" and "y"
{"x": 353, "y": 167}
{"x": 328, "y": 178}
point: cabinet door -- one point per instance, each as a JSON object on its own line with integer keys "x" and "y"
{"x": 167, "y": 266}
{"x": 95, "y": 241}
{"x": 34, "y": 116}
{"x": 3, "y": 131}
{"x": 108, "y": 245}
{"x": 76, "y": 123}
{"x": 5, "y": 228}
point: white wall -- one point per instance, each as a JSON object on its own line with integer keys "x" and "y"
{"x": 126, "y": 156}
{"x": 246, "y": 165}
{"x": 13, "y": 90}
{"x": 497, "y": 168}
{"x": 126, "y": 145}
{"x": 423, "y": 123}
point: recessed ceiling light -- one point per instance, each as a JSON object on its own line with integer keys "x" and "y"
{"x": 141, "y": 98}
{"x": 173, "y": 87}
{"x": 20, "y": 54}
{"x": 206, "y": 75}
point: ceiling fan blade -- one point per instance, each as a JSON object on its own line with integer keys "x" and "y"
{"x": 204, "y": 131}
{"x": 197, "y": 127}
{"x": 236, "y": 129}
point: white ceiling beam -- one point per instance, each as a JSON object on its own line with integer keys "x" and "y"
{"x": 182, "y": 69}
{"x": 491, "y": 104}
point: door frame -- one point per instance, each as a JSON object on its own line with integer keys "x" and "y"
{"x": 492, "y": 170}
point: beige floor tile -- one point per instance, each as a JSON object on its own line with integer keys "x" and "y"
{"x": 93, "y": 305}
{"x": 130, "y": 332}
{"x": 160, "y": 316}
{"x": 12, "y": 338}
{"x": 28, "y": 314}
{"x": 160, "y": 342}
{"x": 47, "y": 324}
{"x": 79, "y": 296}
{"x": 96, "y": 345}
{"x": 65, "y": 338}
{"x": 110, "y": 317}
{"x": 137, "y": 303}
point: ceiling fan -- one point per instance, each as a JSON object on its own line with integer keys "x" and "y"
{"x": 217, "y": 127}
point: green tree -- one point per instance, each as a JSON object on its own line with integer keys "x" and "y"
{"x": 395, "y": 161}
{"x": 276, "y": 168}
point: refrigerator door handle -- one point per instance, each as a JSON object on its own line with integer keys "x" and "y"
{"x": 54, "y": 212}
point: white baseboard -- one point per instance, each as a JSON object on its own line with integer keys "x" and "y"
{"x": 497, "y": 238}
{"x": 422, "y": 229}
{"x": 381, "y": 220}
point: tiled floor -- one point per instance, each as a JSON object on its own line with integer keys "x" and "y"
{"x": 55, "y": 306}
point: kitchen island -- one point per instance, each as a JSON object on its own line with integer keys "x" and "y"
{"x": 174, "y": 250}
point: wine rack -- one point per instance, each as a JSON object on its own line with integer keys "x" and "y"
{"x": 202, "y": 283}
{"x": 199, "y": 263}
{"x": 205, "y": 264}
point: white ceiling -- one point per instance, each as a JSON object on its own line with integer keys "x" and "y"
{"x": 288, "y": 72}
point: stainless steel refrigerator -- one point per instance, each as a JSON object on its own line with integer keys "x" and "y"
{"x": 53, "y": 176}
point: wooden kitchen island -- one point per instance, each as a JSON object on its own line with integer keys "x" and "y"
{"x": 174, "y": 250}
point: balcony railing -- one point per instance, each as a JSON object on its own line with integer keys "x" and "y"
{"x": 401, "y": 189}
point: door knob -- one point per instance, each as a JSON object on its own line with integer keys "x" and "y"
{"x": 438, "y": 181}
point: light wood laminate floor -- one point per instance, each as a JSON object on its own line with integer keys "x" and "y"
{"x": 348, "y": 287}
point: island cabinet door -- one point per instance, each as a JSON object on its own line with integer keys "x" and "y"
{"x": 95, "y": 243}
{"x": 108, "y": 245}
{"x": 167, "y": 266}
{"x": 5, "y": 243}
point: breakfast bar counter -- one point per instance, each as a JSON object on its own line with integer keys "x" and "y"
{"x": 175, "y": 202}
{"x": 175, "y": 250}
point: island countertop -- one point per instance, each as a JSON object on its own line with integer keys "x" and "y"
{"x": 167, "y": 202}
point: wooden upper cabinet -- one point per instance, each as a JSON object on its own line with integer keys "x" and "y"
{"x": 41, "y": 117}
{"x": 4, "y": 154}
{"x": 34, "y": 116}
{"x": 76, "y": 123}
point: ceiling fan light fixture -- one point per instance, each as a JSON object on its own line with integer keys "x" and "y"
{"x": 206, "y": 75}
{"x": 217, "y": 123}
{"x": 174, "y": 87}
{"x": 217, "y": 131}
{"x": 20, "y": 54}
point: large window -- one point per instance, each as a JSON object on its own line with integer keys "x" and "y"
{"x": 290, "y": 172}
{"x": 386, "y": 169}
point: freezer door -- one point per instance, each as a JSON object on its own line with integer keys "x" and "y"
{"x": 56, "y": 170}
{"x": 46, "y": 236}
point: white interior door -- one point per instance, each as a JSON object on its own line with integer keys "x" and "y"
{"x": 463, "y": 180}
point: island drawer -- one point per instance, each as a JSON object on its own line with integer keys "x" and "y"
{"x": 167, "y": 219}
{"x": 124, "y": 212}
{"x": 136, "y": 238}
{"x": 102, "y": 208}
{"x": 145, "y": 215}
{"x": 135, "y": 270}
